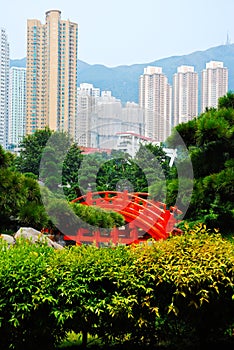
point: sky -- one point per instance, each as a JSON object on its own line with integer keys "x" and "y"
{"x": 125, "y": 32}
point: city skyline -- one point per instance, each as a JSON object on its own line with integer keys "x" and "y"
{"x": 51, "y": 88}
{"x": 121, "y": 33}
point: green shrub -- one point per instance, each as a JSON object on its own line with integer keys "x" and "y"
{"x": 177, "y": 291}
{"x": 26, "y": 297}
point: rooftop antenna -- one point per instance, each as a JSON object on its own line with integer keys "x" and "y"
{"x": 228, "y": 41}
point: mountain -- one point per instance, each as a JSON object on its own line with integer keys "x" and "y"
{"x": 123, "y": 80}
{"x": 18, "y": 63}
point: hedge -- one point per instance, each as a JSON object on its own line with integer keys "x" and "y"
{"x": 175, "y": 291}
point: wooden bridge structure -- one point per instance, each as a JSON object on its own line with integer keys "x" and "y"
{"x": 144, "y": 218}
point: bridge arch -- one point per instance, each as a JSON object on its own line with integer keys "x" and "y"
{"x": 144, "y": 217}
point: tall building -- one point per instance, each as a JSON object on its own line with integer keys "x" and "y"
{"x": 214, "y": 84}
{"x": 155, "y": 98}
{"x": 133, "y": 118}
{"x": 4, "y": 87}
{"x": 101, "y": 116}
{"x": 109, "y": 119}
{"x": 88, "y": 89}
{"x": 51, "y": 74}
{"x": 185, "y": 95}
{"x": 86, "y": 134}
{"x": 17, "y": 106}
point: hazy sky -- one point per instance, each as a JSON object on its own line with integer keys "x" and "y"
{"x": 116, "y": 32}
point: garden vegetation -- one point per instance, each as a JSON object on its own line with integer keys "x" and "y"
{"x": 173, "y": 293}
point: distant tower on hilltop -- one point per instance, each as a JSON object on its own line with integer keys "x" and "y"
{"x": 228, "y": 40}
{"x": 51, "y": 74}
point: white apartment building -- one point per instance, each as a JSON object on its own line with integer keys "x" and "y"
{"x": 214, "y": 84}
{"x": 88, "y": 89}
{"x": 155, "y": 99}
{"x": 109, "y": 119}
{"x": 4, "y": 87}
{"x": 86, "y": 134}
{"x": 101, "y": 115}
{"x": 129, "y": 142}
{"x": 17, "y": 106}
{"x": 185, "y": 95}
{"x": 133, "y": 118}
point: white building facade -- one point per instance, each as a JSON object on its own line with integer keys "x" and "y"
{"x": 133, "y": 118}
{"x": 4, "y": 87}
{"x": 185, "y": 95}
{"x": 109, "y": 119}
{"x": 85, "y": 133}
{"x": 129, "y": 142}
{"x": 214, "y": 84}
{"x": 155, "y": 99}
{"x": 101, "y": 115}
{"x": 17, "y": 106}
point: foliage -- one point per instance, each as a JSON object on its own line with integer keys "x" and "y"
{"x": 210, "y": 142}
{"x": 6, "y": 158}
{"x": 26, "y": 320}
{"x": 163, "y": 292}
{"x": 226, "y": 101}
{"x": 20, "y": 201}
{"x": 70, "y": 170}
{"x": 31, "y": 151}
{"x": 59, "y": 162}
{"x": 121, "y": 172}
{"x": 98, "y": 217}
{"x": 69, "y": 217}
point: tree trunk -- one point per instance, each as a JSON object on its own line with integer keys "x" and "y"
{"x": 84, "y": 339}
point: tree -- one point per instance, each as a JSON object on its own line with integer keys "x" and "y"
{"x": 118, "y": 173}
{"x": 54, "y": 158}
{"x": 20, "y": 202}
{"x": 210, "y": 142}
{"x": 121, "y": 172}
{"x": 71, "y": 165}
{"x": 69, "y": 217}
{"x": 6, "y": 158}
{"x": 31, "y": 151}
{"x": 153, "y": 164}
{"x": 226, "y": 101}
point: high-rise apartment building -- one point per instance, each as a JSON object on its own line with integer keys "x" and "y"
{"x": 155, "y": 98}
{"x": 101, "y": 116}
{"x": 86, "y": 134}
{"x": 214, "y": 84}
{"x": 88, "y": 89}
{"x": 185, "y": 95}
{"x": 51, "y": 74}
{"x": 133, "y": 118}
{"x": 17, "y": 106}
{"x": 109, "y": 119}
{"x": 4, "y": 87}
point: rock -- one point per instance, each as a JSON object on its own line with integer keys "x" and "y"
{"x": 35, "y": 236}
{"x": 28, "y": 233}
{"x": 53, "y": 244}
{"x": 9, "y": 239}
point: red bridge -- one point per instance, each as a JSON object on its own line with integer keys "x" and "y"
{"x": 145, "y": 218}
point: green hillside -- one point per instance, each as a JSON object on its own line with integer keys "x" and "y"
{"x": 123, "y": 80}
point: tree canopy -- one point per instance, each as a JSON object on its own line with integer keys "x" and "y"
{"x": 210, "y": 142}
